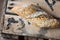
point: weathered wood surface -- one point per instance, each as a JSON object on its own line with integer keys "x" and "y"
{"x": 44, "y": 33}
{"x": 2, "y": 9}
{"x": 42, "y": 3}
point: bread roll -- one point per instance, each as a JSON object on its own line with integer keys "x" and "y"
{"x": 37, "y": 18}
{"x": 44, "y": 21}
{"x": 24, "y": 11}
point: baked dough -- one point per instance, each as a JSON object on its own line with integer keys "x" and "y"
{"x": 24, "y": 11}
{"x": 44, "y": 21}
{"x": 41, "y": 20}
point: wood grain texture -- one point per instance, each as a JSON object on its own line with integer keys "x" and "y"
{"x": 2, "y": 11}
{"x": 44, "y": 33}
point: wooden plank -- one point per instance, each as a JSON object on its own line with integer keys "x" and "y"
{"x": 2, "y": 11}
{"x": 11, "y": 4}
{"x": 42, "y": 3}
{"x": 45, "y": 33}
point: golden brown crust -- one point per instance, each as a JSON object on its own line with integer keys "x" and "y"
{"x": 44, "y": 21}
{"x": 24, "y": 11}
{"x": 40, "y": 21}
